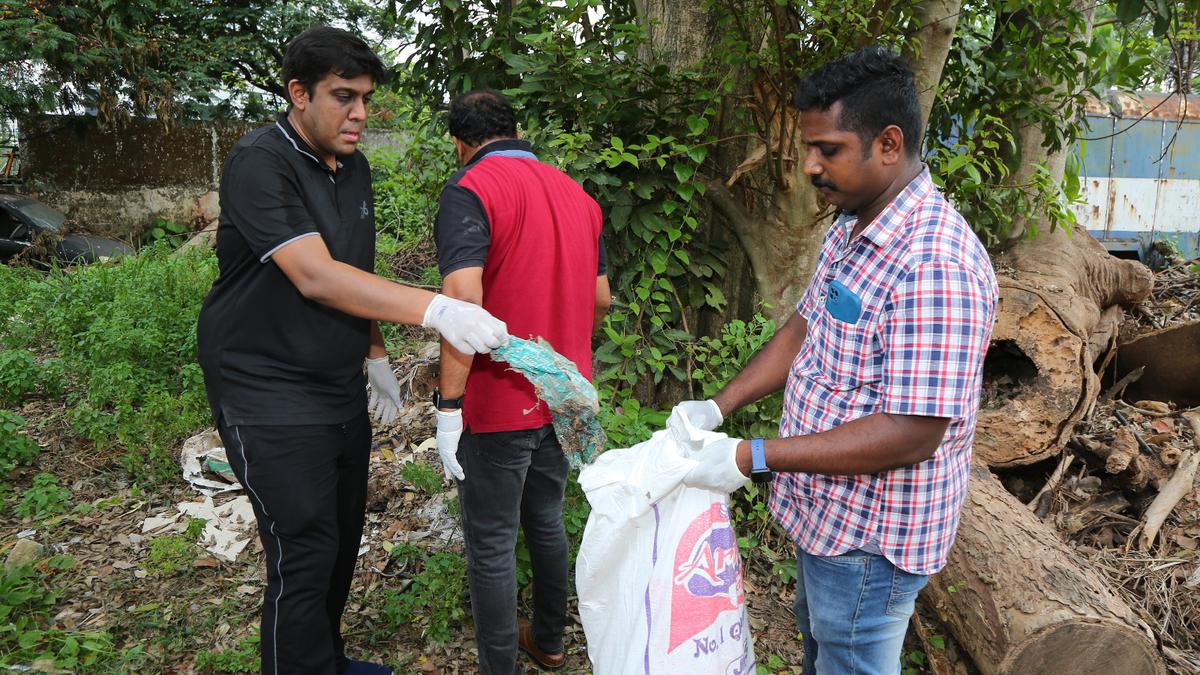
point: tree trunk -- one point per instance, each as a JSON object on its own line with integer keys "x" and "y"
{"x": 1018, "y": 604}
{"x": 926, "y": 53}
{"x": 776, "y": 214}
{"x": 1031, "y": 138}
{"x": 1053, "y": 293}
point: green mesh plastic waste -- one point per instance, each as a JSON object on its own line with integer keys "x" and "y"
{"x": 571, "y": 398}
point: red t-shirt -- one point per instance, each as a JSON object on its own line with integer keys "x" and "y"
{"x": 536, "y": 234}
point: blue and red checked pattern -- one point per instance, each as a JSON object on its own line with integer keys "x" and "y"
{"x": 928, "y": 297}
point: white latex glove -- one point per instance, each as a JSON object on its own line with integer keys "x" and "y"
{"x": 449, "y": 430}
{"x": 716, "y": 467}
{"x": 703, "y": 415}
{"x": 385, "y": 390}
{"x": 468, "y": 328}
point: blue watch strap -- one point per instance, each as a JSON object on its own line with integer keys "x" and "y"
{"x": 758, "y": 455}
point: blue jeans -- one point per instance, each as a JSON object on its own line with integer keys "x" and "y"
{"x": 513, "y": 478}
{"x": 852, "y": 611}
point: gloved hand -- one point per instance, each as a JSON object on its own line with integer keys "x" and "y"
{"x": 385, "y": 390}
{"x": 716, "y": 467}
{"x": 468, "y": 328}
{"x": 703, "y": 415}
{"x": 449, "y": 430}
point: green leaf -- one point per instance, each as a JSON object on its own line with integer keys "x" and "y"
{"x": 683, "y": 172}
{"x": 696, "y": 125}
{"x": 658, "y": 261}
{"x": 1128, "y": 11}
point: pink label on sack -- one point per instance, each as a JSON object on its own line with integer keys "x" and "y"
{"x": 707, "y": 575}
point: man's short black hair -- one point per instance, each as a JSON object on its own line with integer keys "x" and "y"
{"x": 322, "y": 50}
{"x": 876, "y": 88}
{"x": 482, "y": 114}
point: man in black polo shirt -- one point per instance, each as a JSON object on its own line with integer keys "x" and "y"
{"x": 284, "y": 333}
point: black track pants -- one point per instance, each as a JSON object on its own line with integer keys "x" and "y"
{"x": 308, "y": 486}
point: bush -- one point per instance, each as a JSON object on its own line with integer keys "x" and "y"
{"x": 15, "y": 447}
{"x": 423, "y": 477}
{"x": 44, "y": 499}
{"x": 124, "y": 333}
{"x": 435, "y": 595}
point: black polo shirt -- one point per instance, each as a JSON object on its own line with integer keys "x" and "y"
{"x": 270, "y": 355}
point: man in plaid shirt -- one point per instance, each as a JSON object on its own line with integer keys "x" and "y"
{"x": 882, "y": 364}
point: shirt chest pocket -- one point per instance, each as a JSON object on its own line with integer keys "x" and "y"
{"x": 846, "y": 339}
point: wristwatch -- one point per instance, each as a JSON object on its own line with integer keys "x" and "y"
{"x": 759, "y": 473}
{"x": 451, "y": 403}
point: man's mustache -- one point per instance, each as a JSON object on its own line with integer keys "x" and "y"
{"x": 819, "y": 182}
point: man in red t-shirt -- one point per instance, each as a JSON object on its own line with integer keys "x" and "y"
{"x": 522, "y": 239}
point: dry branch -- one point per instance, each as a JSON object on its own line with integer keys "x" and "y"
{"x": 1175, "y": 489}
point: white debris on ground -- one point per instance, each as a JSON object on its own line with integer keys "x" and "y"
{"x": 228, "y": 526}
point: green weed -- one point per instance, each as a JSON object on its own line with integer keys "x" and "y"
{"x": 434, "y": 597}
{"x": 244, "y": 658}
{"x": 15, "y": 447}
{"x": 123, "y": 335}
{"x": 44, "y": 498}
{"x": 170, "y": 554}
{"x": 194, "y": 528}
{"x": 26, "y": 639}
{"x": 423, "y": 477}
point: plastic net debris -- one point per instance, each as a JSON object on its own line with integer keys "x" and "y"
{"x": 571, "y": 398}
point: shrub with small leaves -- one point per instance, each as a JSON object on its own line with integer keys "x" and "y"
{"x": 19, "y": 376}
{"x": 27, "y": 598}
{"x": 44, "y": 499}
{"x": 423, "y": 477}
{"x": 435, "y": 595}
{"x": 15, "y": 447}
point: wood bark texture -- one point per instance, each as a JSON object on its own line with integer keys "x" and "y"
{"x": 1053, "y": 293}
{"x": 926, "y": 54}
{"x": 1017, "y": 601}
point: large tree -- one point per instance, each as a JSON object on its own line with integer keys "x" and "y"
{"x": 168, "y": 58}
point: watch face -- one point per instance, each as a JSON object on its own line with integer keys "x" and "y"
{"x": 762, "y": 476}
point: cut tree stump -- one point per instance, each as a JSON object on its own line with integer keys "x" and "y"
{"x": 1057, "y": 295}
{"x": 1018, "y": 603}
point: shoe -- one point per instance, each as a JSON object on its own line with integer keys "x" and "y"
{"x": 525, "y": 642}
{"x": 365, "y": 668}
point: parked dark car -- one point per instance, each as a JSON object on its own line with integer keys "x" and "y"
{"x": 26, "y": 223}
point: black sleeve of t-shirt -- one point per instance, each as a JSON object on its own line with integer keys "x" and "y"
{"x": 461, "y": 232}
{"x": 603, "y": 267}
{"x": 262, "y": 200}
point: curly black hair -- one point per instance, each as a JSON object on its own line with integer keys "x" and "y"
{"x": 876, "y": 88}
{"x": 482, "y": 114}
{"x": 322, "y": 50}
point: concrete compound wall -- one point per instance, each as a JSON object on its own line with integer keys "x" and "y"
{"x": 116, "y": 181}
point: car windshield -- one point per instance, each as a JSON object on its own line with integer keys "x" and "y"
{"x": 45, "y": 216}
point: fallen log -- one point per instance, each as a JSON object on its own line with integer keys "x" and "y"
{"x": 1057, "y": 295}
{"x": 1018, "y": 603}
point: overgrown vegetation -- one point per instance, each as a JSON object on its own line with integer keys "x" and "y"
{"x": 116, "y": 342}
{"x": 27, "y": 600}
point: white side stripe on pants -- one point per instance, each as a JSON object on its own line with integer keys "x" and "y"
{"x": 278, "y": 542}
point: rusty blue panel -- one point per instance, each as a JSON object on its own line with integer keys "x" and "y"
{"x": 1183, "y": 160}
{"x": 1095, "y": 147}
{"x": 1137, "y": 146}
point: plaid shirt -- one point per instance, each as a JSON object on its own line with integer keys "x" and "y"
{"x": 928, "y": 300}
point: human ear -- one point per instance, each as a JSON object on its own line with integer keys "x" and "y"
{"x": 298, "y": 94}
{"x": 890, "y": 143}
